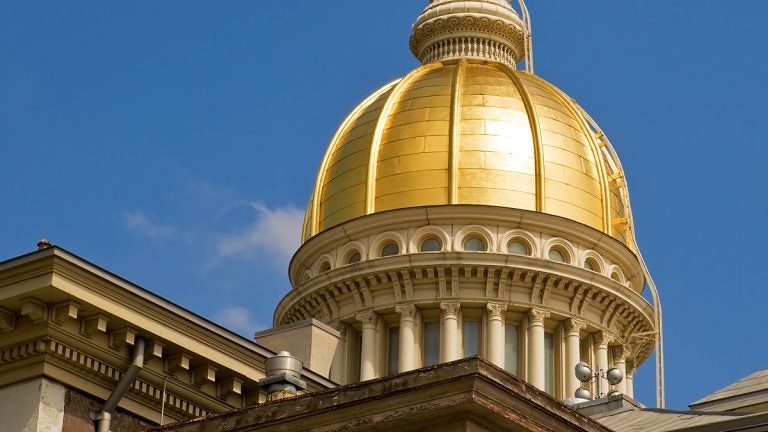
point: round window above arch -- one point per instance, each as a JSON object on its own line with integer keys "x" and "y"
{"x": 475, "y": 244}
{"x": 390, "y": 249}
{"x": 431, "y": 244}
{"x": 557, "y": 255}
{"x": 518, "y": 247}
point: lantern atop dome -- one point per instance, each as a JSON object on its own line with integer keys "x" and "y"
{"x": 474, "y": 29}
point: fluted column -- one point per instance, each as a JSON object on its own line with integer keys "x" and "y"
{"x": 620, "y": 354}
{"x": 536, "y": 370}
{"x": 601, "y": 341}
{"x": 449, "y": 338}
{"x": 368, "y": 349}
{"x": 496, "y": 333}
{"x": 573, "y": 328}
{"x": 407, "y": 355}
{"x": 630, "y": 365}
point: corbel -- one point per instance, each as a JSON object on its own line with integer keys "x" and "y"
{"x": 66, "y": 311}
{"x": 7, "y": 320}
{"x": 230, "y": 387}
{"x": 119, "y": 339}
{"x": 178, "y": 362}
{"x": 94, "y": 324}
{"x": 204, "y": 374}
{"x": 35, "y": 310}
{"x": 155, "y": 349}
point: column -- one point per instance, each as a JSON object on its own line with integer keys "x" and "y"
{"x": 620, "y": 354}
{"x": 449, "y": 337}
{"x": 630, "y": 365}
{"x": 368, "y": 349}
{"x": 573, "y": 328}
{"x": 496, "y": 333}
{"x": 600, "y": 341}
{"x": 407, "y": 356}
{"x": 536, "y": 374}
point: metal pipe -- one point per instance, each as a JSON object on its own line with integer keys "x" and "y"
{"x": 104, "y": 417}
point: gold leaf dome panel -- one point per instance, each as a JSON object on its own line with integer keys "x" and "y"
{"x": 466, "y": 132}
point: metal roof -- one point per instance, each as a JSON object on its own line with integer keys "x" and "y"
{"x": 758, "y": 381}
{"x": 658, "y": 420}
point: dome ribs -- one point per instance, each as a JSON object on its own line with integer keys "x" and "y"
{"x": 538, "y": 147}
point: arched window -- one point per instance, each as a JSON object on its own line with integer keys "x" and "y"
{"x": 354, "y": 257}
{"x": 591, "y": 265}
{"x": 516, "y": 247}
{"x": 390, "y": 249}
{"x": 431, "y": 245}
{"x": 615, "y": 276}
{"x": 475, "y": 244}
{"x": 557, "y": 255}
{"x": 325, "y": 267}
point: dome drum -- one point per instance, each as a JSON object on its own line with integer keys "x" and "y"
{"x": 472, "y": 280}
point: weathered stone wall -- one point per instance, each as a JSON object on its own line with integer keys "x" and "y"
{"x": 32, "y": 406}
{"x": 78, "y": 415}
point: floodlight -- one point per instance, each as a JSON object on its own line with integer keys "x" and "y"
{"x": 614, "y": 376}
{"x": 613, "y": 393}
{"x": 583, "y": 372}
{"x": 582, "y": 393}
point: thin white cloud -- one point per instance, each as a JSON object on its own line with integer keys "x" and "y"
{"x": 139, "y": 223}
{"x": 239, "y": 320}
{"x": 274, "y": 234}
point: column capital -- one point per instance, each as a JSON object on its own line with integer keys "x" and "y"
{"x": 630, "y": 366}
{"x": 450, "y": 308}
{"x": 536, "y": 315}
{"x": 495, "y": 310}
{"x": 602, "y": 338}
{"x": 406, "y": 311}
{"x": 621, "y": 353}
{"x": 367, "y": 317}
{"x": 574, "y": 325}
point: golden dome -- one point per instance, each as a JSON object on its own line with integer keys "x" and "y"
{"x": 468, "y": 132}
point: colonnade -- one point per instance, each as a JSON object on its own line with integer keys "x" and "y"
{"x": 604, "y": 354}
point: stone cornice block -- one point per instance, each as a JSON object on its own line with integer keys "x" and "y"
{"x": 178, "y": 362}
{"x": 231, "y": 387}
{"x": 94, "y": 324}
{"x": 63, "y": 312}
{"x": 7, "y": 320}
{"x": 35, "y": 310}
{"x": 121, "y": 338}
{"x": 204, "y": 375}
{"x": 155, "y": 349}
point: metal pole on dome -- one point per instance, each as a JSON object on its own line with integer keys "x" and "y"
{"x": 610, "y": 154}
{"x": 528, "y": 36}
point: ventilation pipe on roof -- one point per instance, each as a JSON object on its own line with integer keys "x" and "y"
{"x": 283, "y": 376}
{"x": 105, "y": 416}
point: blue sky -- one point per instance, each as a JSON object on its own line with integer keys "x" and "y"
{"x": 175, "y": 144}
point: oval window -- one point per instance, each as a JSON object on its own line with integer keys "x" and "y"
{"x": 390, "y": 249}
{"x": 516, "y": 247}
{"x": 475, "y": 244}
{"x": 431, "y": 245}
